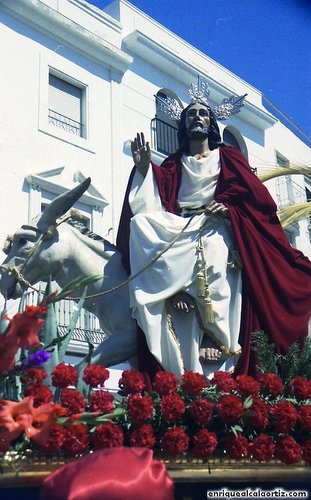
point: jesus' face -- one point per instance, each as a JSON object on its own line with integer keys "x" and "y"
{"x": 197, "y": 122}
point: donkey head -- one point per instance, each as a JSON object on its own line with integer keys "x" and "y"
{"x": 35, "y": 251}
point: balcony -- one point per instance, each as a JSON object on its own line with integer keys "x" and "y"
{"x": 87, "y": 326}
{"x": 288, "y": 192}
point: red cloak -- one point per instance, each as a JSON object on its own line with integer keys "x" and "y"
{"x": 276, "y": 277}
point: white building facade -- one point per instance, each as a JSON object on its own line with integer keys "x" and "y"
{"x": 78, "y": 83}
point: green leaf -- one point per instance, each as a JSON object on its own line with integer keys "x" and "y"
{"x": 236, "y": 429}
{"x": 248, "y": 402}
{"x": 70, "y": 328}
{"x": 40, "y": 295}
{"x": 93, "y": 418}
{"x": 81, "y": 385}
{"x": 49, "y": 336}
{"x": 4, "y": 323}
{"x": 22, "y": 302}
{"x": 75, "y": 285}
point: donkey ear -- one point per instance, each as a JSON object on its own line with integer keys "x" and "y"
{"x": 60, "y": 205}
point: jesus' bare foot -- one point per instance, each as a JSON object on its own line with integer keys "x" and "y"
{"x": 210, "y": 354}
{"x": 183, "y": 302}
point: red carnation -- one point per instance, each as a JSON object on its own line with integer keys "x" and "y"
{"x": 140, "y": 408}
{"x": 101, "y": 401}
{"x": 247, "y": 385}
{"x": 306, "y": 451}
{"x": 131, "y": 382}
{"x": 193, "y": 383}
{"x": 33, "y": 375}
{"x": 95, "y": 375}
{"x": 76, "y": 439}
{"x": 175, "y": 441}
{"x": 54, "y": 441}
{"x": 224, "y": 381}
{"x": 285, "y": 415}
{"x": 262, "y": 448}
{"x": 288, "y": 450}
{"x": 64, "y": 375}
{"x": 257, "y": 416}
{"x": 230, "y": 408}
{"x": 73, "y": 401}
{"x": 143, "y": 437}
{"x": 272, "y": 383}
{"x": 237, "y": 447}
{"x": 305, "y": 417}
{"x": 201, "y": 411}
{"x": 301, "y": 387}
{"x": 165, "y": 383}
{"x": 172, "y": 407}
{"x": 40, "y": 393}
{"x": 204, "y": 443}
{"x": 107, "y": 436}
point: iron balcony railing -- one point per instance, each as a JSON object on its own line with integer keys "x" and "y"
{"x": 65, "y": 123}
{"x": 163, "y": 136}
{"x": 87, "y": 326}
{"x": 288, "y": 192}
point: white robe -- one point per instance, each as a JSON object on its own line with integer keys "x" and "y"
{"x": 174, "y": 337}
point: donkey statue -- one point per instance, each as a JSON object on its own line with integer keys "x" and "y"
{"x": 53, "y": 248}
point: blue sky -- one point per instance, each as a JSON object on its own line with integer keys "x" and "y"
{"x": 265, "y": 42}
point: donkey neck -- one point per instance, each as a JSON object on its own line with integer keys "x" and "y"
{"x": 84, "y": 257}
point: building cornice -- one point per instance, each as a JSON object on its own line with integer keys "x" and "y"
{"x": 164, "y": 58}
{"x": 98, "y": 14}
{"x": 47, "y": 20}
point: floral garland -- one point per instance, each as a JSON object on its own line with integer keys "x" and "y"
{"x": 262, "y": 418}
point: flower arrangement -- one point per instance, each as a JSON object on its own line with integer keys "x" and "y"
{"x": 55, "y": 407}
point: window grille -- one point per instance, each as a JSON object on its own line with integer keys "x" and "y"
{"x": 164, "y": 136}
{"x": 163, "y": 128}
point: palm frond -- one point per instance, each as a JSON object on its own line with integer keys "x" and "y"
{"x": 305, "y": 360}
{"x": 291, "y": 169}
{"x": 264, "y": 349}
{"x": 294, "y": 213}
{"x": 289, "y": 363}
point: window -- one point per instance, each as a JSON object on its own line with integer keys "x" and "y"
{"x": 232, "y": 136}
{"x": 164, "y": 129}
{"x": 66, "y": 103}
{"x": 281, "y": 160}
{"x": 229, "y": 138}
{"x": 63, "y": 110}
